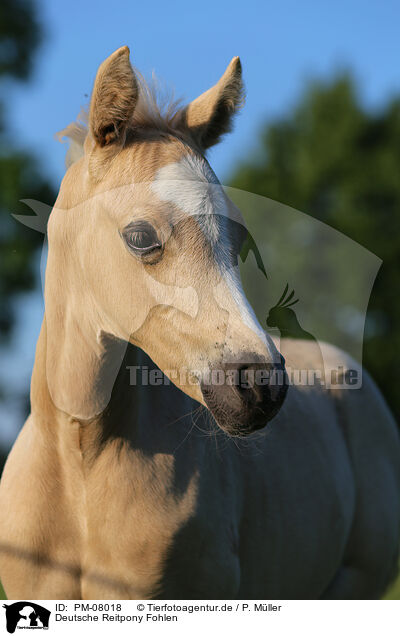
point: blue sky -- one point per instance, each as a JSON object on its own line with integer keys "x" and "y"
{"x": 282, "y": 46}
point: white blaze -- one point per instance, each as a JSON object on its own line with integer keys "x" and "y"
{"x": 193, "y": 188}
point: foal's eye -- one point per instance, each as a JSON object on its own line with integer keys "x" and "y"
{"x": 141, "y": 238}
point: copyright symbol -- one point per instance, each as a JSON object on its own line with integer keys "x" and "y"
{"x": 140, "y": 607}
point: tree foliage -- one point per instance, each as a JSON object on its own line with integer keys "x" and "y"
{"x": 339, "y": 162}
{"x": 20, "y": 35}
{"x": 20, "y": 176}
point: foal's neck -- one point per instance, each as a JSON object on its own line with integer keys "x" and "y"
{"x": 143, "y": 416}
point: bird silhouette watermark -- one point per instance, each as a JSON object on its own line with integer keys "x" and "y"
{"x": 283, "y": 317}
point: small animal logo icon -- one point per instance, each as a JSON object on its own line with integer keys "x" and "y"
{"x": 284, "y": 318}
{"x": 26, "y": 615}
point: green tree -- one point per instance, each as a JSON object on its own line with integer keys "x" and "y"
{"x": 20, "y": 177}
{"x": 337, "y": 161}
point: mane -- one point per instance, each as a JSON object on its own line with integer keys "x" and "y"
{"x": 156, "y": 109}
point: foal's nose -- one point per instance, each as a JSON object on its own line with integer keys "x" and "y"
{"x": 244, "y": 397}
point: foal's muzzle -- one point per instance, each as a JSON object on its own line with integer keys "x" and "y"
{"x": 243, "y": 398}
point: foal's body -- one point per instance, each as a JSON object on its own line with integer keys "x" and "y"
{"x": 111, "y": 491}
{"x": 140, "y": 504}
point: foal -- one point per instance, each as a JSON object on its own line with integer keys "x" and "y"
{"x": 112, "y": 489}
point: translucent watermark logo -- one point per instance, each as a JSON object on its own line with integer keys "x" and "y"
{"x": 199, "y": 291}
{"x": 246, "y": 378}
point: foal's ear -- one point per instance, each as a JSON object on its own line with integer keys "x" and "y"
{"x": 114, "y": 98}
{"x": 210, "y": 116}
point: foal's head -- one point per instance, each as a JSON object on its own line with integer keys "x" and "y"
{"x": 143, "y": 247}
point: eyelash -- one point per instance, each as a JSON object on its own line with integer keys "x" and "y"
{"x": 133, "y": 236}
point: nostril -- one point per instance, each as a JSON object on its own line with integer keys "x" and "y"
{"x": 257, "y": 383}
{"x": 248, "y": 387}
{"x": 246, "y": 378}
